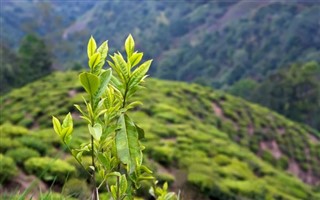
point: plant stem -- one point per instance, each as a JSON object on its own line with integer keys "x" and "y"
{"x": 77, "y": 160}
{"x": 95, "y": 197}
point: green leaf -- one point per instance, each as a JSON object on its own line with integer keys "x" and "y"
{"x": 90, "y": 82}
{"x": 95, "y": 131}
{"x": 56, "y": 125}
{"x": 140, "y": 132}
{"x": 67, "y": 122}
{"x": 139, "y": 73}
{"x": 103, "y": 49}
{"x": 128, "y": 148}
{"x": 92, "y": 46}
{"x": 94, "y": 60}
{"x": 135, "y": 59}
{"x": 129, "y": 45}
{"x": 113, "y": 191}
{"x": 104, "y": 81}
{"x": 122, "y": 65}
{"x": 67, "y": 128}
{"x": 103, "y": 160}
{"x": 123, "y": 184}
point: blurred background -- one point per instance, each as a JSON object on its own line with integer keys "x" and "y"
{"x": 231, "y": 111}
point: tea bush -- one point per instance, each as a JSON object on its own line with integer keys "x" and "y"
{"x": 49, "y": 169}
{"x": 34, "y": 143}
{"x": 8, "y": 143}
{"x": 8, "y": 169}
{"x": 22, "y": 154}
{"x": 9, "y": 130}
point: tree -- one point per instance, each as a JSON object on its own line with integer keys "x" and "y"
{"x": 34, "y": 59}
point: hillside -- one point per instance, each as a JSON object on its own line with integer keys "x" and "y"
{"x": 208, "y": 144}
{"x": 293, "y": 91}
{"x": 210, "y": 42}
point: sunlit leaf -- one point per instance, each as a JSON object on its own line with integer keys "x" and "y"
{"x": 127, "y": 144}
{"x": 90, "y": 82}
{"x": 92, "y": 46}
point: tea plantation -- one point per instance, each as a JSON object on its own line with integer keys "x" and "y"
{"x": 205, "y": 143}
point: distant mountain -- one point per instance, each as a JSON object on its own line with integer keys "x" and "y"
{"x": 211, "y": 42}
{"x": 207, "y": 143}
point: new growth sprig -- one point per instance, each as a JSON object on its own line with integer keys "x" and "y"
{"x": 114, "y": 146}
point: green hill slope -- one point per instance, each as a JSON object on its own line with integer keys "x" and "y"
{"x": 211, "y": 142}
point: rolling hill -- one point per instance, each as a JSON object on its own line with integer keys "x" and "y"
{"x": 206, "y": 143}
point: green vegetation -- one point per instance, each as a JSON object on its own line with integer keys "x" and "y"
{"x": 32, "y": 61}
{"x": 8, "y": 169}
{"x": 207, "y": 134}
{"x": 209, "y": 42}
{"x": 19, "y": 155}
{"x": 49, "y": 169}
{"x": 114, "y": 144}
{"x": 293, "y": 92}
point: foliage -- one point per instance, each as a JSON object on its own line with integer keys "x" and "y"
{"x": 114, "y": 145}
{"x": 8, "y": 168}
{"x": 210, "y": 42}
{"x": 19, "y": 155}
{"x": 34, "y": 143}
{"x": 294, "y": 92}
{"x": 76, "y": 188}
{"x": 198, "y": 127}
{"x": 32, "y": 61}
{"x": 7, "y": 143}
{"x": 49, "y": 169}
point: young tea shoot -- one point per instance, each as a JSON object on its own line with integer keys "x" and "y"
{"x": 114, "y": 145}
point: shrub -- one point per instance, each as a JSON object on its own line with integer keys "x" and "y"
{"x": 163, "y": 155}
{"x": 267, "y": 156}
{"x": 165, "y": 177}
{"x": 222, "y": 160}
{"x": 282, "y": 163}
{"x": 22, "y": 154}
{"x": 8, "y": 169}
{"x": 49, "y": 169}
{"x": 76, "y": 188}
{"x": 7, "y": 143}
{"x": 10, "y": 130}
{"x": 34, "y": 143}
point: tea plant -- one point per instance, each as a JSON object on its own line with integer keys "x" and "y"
{"x": 114, "y": 146}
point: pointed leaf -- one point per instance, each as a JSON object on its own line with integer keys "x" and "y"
{"x": 122, "y": 65}
{"x": 56, "y": 125}
{"x": 103, "y": 49}
{"x": 92, "y": 46}
{"x": 67, "y": 122}
{"x": 129, "y": 45}
{"x": 90, "y": 82}
{"x": 128, "y": 148}
{"x": 140, "y": 132}
{"x": 95, "y": 131}
{"x": 94, "y": 60}
{"x": 139, "y": 73}
{"x": 104, "y": 81}
{"x": 135, "y": 59}
{"x": 123, "y": 184}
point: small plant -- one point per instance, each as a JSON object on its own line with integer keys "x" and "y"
{"x": 115, "y": 147}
